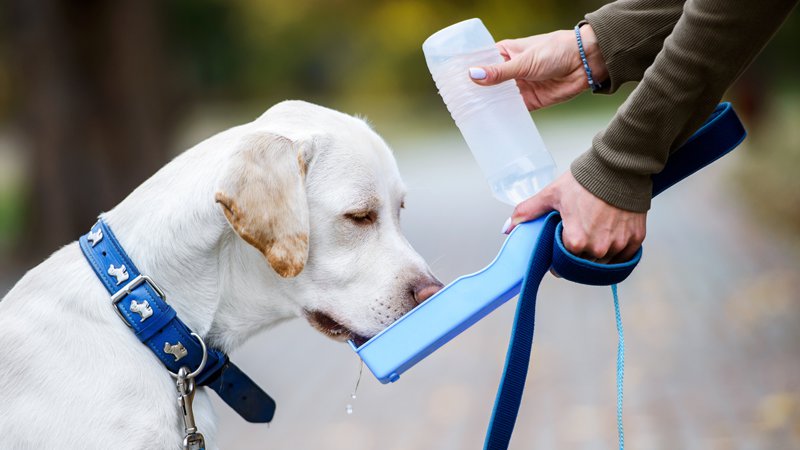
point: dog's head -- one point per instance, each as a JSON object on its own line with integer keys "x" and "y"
{"x": 318, "y": 194}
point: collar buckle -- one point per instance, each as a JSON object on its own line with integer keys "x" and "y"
{"x": 128, "y": 288}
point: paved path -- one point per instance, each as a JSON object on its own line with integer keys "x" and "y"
{"x": 712, "y": 321}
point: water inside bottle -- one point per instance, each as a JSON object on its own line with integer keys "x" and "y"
{"x": 515, "y": 187}
{"x": 494, "y": 121}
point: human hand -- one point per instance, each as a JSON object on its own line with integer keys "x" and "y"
{"x": 547, "y": 67}
{"x": 593, "y": 229}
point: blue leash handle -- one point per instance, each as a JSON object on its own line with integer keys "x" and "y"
{"x": 721, "y": 133}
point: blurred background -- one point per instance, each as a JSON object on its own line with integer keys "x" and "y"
{"x": 95, "y": 96}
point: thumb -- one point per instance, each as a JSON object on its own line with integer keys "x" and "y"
{"x": 497, "y": 73}
{"x": 536, "y": 206}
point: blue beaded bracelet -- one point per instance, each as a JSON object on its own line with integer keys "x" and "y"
{"x": 595, "y": 86}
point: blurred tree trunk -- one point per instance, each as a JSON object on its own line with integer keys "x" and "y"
{"x": 97, "y": 108}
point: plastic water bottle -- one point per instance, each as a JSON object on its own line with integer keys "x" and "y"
{"x": 493, "y": 119}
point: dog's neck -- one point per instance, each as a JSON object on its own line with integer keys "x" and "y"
{"x": 181, "y": 239}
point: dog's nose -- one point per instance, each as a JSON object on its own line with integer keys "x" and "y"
{"x": 425, "y": 287}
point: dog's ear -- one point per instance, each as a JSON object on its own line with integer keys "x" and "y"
{"x": 262, "y": 193}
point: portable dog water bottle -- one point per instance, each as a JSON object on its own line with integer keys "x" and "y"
{"x": 493, "y": 119}
{"x": 469, "y": 298}
{"x": 532, "y": 247}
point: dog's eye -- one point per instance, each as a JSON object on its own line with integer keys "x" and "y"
{"x": 362, "y": 217}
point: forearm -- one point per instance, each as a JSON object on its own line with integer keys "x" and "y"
{"x": 712, "y": 43}
{"x": 630, "y": 33}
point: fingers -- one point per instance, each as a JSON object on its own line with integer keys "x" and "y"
{"x": 577, "y": 242}
{"x": 491, "y": 75}
{"x": 595, "y": 251}
{"x": 502, "y": 47}
{"x": 630, "y": 249}
{"x": 613, "y": 250}
{"x": 618, "y": 247}
{"x": 536, "y": 206}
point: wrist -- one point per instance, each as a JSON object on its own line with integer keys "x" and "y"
{"x": 594, "y": 56}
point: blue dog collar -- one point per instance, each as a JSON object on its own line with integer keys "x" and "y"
{"x": 140, "y": 303}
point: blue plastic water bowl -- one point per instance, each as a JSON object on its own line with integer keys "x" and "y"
{"x": 451, "y": 310}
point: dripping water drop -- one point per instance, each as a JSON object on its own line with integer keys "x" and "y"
{"x": 349, "y": 408}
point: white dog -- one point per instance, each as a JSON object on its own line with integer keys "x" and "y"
{"x": 314, "y": 191}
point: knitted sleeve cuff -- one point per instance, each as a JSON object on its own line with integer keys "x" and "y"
{"x": 628, "y": 191}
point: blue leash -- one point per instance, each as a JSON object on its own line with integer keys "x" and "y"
{"x": 720, "y": 134}
{"x": 620, "y": 366}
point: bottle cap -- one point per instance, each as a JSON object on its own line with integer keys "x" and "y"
{"x": 463, "y": 37}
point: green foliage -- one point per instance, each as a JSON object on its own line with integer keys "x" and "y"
{"x": 362, "y": 56}
{"x": 334, "y": 49}
{"x": 203, "y": 43}
{"x": 768, "y": 174}
{"x": 351, "y": 52}
{"x": 12, "y": 206}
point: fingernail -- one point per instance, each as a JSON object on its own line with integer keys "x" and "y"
{"x": 476, "y": 73}
{"x": 506, "y": 226}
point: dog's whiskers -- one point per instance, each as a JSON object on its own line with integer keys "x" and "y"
{"x": 438, "y": 258}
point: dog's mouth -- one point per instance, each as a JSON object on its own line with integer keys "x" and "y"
{"x": 330, "y": 327}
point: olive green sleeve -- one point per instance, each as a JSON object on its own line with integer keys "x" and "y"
{"x": 710, "y": 45}
{"x": 630, "y": 34}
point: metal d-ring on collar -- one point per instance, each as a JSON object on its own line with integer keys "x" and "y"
{"x": 202, "y": 361}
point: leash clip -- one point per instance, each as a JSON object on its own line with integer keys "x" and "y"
{"x": 186, "y": 388}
